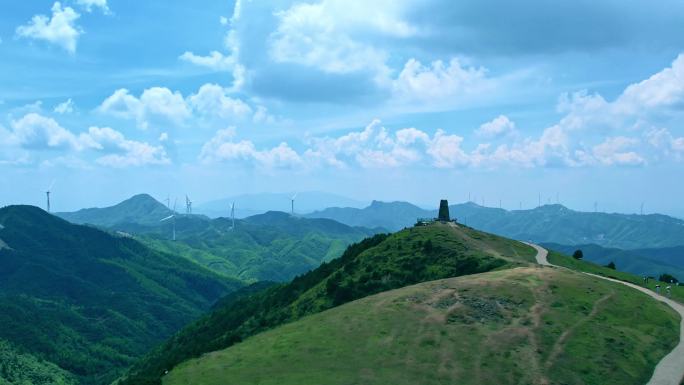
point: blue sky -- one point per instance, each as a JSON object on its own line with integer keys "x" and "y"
{"x": 411, "y": 100}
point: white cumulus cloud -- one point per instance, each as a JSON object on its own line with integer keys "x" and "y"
{"x": 60, "y": 28}
{"x": 498, "y": 127}
{"x": 66, "y": 107}
{"x": 122, "y": 152}
{"x": 89, "y": 5}
{"x": 223, "y": 147}
{"x": 155, "y": 102}
{"x": 212, "y": 99}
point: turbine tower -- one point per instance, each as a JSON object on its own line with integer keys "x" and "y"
{"x": 173, "y": 218}
{"x": 232, "y": 215}
{"x": 642, "y": 208}
{"x": 188, "y": 205}
{"x": 47, "y": 193}
{"x": 292, "y": 200}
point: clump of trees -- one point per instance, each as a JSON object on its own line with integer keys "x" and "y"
{"x": 578, "y": 254}
{"x": 611, "y": 265}
{"x": 667, "y": 278}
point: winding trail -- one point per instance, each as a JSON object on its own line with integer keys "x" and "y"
{"x": 670, "y": 370}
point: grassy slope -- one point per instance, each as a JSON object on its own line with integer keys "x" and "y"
{"x": 518, "y": 326}
{"x": 571, "y": 263}
{"x": 372, "y": 266}
{"x": 90, "y": 302}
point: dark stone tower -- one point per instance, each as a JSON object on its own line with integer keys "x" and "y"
{"x": 443, "y": 211}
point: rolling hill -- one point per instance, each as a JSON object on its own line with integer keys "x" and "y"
{"x": 518, "y": 326}
{"x": 90, "y": 302}
{"x": 545, "y": 224}
{"x": 140, "y": 209}
{"x": 431, "y": 305}
{"x": 380, "y": 263}
{"x": 273, "y": 246}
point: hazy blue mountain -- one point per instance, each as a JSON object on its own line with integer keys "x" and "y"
{"x": 668, "y": 255}
{"x": 140, "y": 209}
{"x": 274, "y": 246}
{"x": 253, "y": 204}
{"x": 549, "y": 223}
{"x": 388, "y": 215}
{"x": 91, "y": 302}
{"x": 639, "y": 262}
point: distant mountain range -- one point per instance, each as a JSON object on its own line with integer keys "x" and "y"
{"x": 88, "y": 301}
{"x": 545, "y": 224}
{"x": 253, "y": 204}
{"x": 274, "y": 246}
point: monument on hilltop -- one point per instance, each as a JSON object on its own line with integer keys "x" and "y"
{"x": 443, "y": 211}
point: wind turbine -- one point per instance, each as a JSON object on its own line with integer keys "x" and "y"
{"x": 642, "y": 208}
{"x": 292, "y": 200}
{"x": 188, "y": 205}
{"x": 232, "y": 215}
{"x": 173, "y": 218}
{"x": 47, "y": 193}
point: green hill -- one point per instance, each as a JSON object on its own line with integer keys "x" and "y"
{"x": 269, "y": 247}
{"x": 140, "y": 209}
{"x": 377, "y": 264}
{"x": 518, "y": 326}
{"x": 545, "y": 224}
{"x": 90, "y": 302}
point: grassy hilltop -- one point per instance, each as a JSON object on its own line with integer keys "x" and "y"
{"x": 377, "y": 264}
{"x": 517, "y": 326}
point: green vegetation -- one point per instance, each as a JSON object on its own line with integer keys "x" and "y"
{"x": 17, "y": 368}
{"x": 588, "y": 267}
{"x": 377, "y": 264}
{"x": 90, "y": 302}
{"x": 518, "y": 326}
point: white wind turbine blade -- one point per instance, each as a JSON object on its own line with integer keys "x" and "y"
{"x": 174, "y": 204}
{"x": 295, "y": 196}
{"x": 166, "y": 219}
{"x": 51, "y": 186}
